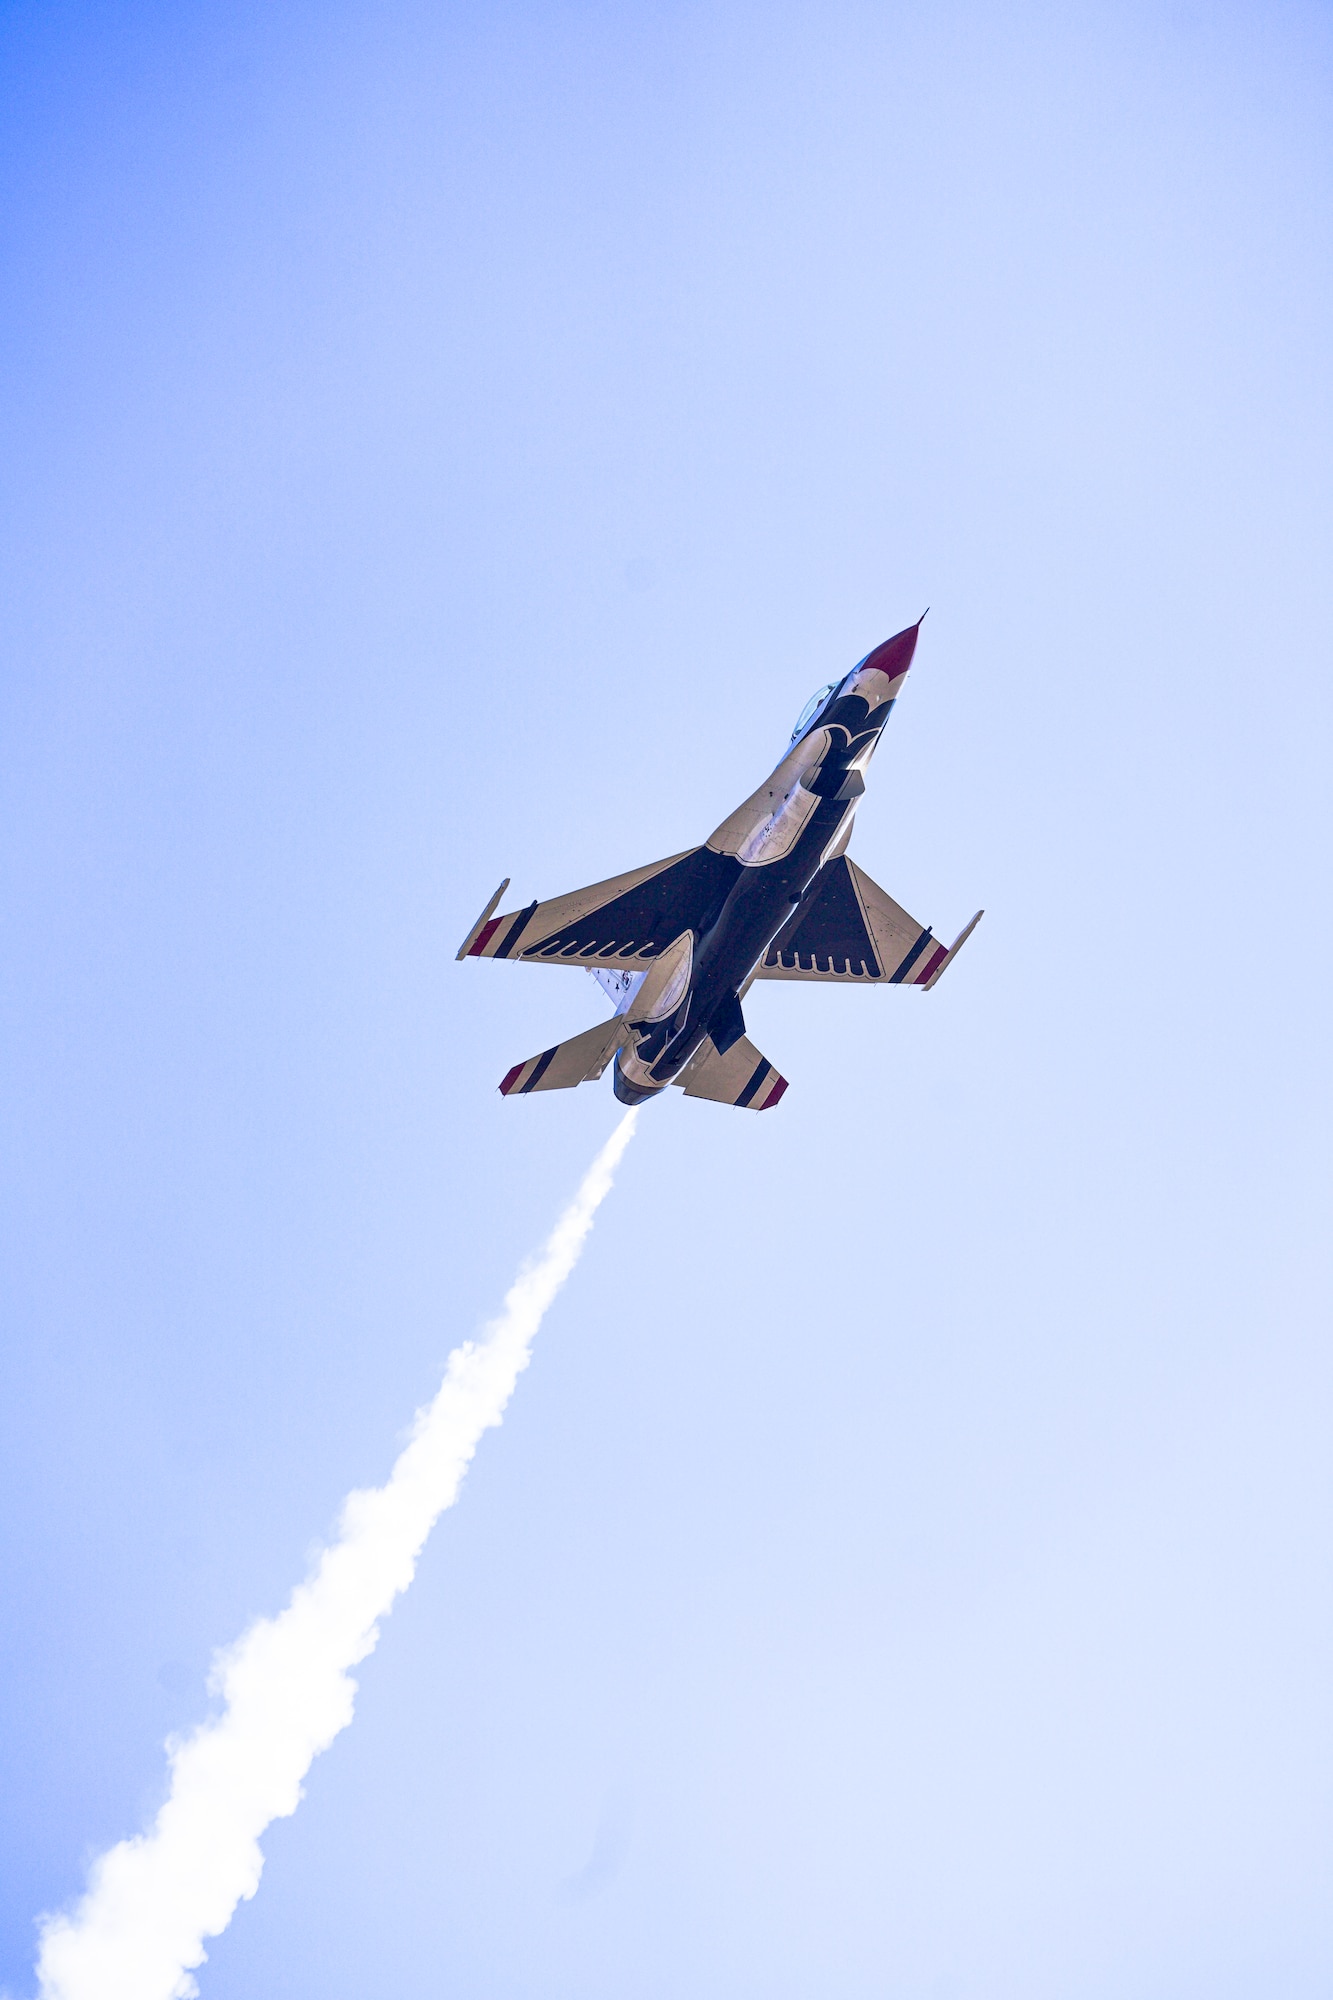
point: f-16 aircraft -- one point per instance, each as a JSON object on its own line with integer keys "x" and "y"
{"x": 770, "y": 895}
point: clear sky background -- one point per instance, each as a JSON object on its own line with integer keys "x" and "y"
{"x": 443, "y": 442}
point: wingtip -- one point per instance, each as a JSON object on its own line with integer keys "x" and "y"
{"x": 940, "y": 962}
{"x": 468, "y": 948}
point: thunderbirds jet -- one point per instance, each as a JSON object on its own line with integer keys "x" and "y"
{"x": 770, "y": 895}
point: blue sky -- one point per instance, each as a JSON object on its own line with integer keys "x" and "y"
{"x": 450, "y": 442}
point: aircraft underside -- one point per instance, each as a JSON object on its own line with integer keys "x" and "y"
{"x": 770, "y": 895}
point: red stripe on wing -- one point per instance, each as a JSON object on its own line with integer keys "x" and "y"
{"x": 484, "y": 936}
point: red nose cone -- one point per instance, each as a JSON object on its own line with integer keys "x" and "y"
{"x": 894, "y": 657}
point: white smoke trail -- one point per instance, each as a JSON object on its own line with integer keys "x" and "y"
{"x": 152, "y": 1901}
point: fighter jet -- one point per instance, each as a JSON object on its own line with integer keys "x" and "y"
{"x": 770, "y": 895}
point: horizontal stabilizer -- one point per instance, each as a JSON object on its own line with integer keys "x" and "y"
{"x": 742, "y": 1076}
{"x": 568, "y": 1063}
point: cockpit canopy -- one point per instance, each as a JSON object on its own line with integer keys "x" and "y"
{"x": 812, "y": 708}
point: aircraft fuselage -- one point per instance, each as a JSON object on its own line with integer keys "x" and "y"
{"x": 768, "y": 855}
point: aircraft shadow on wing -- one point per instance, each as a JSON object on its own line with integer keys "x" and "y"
{"x": 770, "y": 895}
